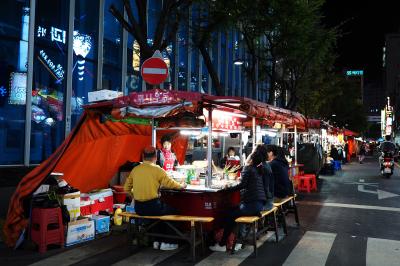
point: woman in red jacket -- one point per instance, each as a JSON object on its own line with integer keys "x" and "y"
{"x": 166, "y": 159}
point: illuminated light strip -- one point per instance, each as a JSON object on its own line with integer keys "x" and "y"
{"x": 47, "y": 68}
{"x": 158, "y": 71}
{"x": 224, "y": 113}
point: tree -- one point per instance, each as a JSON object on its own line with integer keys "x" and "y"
{"x": 339, "y": 97}
{"x": 214, "y": 16}
{"x": 171, "y": 15}
{"x": 297, "y": 45}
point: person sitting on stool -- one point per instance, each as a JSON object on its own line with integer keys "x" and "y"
{"x": 143, "y": 183}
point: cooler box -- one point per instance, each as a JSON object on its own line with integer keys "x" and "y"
{"x": 100, "y": 201}
{"x": 86, "y": 207}
{"x": 73, "y": 203}
{"x": 101, "y": 223}
{"x": 80, "y": 231}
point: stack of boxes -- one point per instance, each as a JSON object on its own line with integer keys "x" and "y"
{"x": 87, "y": 205}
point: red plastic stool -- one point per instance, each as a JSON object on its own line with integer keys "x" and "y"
{"x": 314, "y": 181}
{"x": 47, "y": 227}
{"x": 307, "y": 183}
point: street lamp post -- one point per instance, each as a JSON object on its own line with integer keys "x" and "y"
{"x": 240, "y": 62}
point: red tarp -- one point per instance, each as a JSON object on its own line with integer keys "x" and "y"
{"x": 89, "y": 158}
{"x": 350, "y": 133}
{"x": 314, "y": 123}
{"x": 91, "y": 155}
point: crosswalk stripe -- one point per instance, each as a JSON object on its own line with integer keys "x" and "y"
{"x": 222, "y": 258}
{"x": 351, "y": 206}
{"x": 80, "y": 253}
{"x": 147, "y": 257}
{"x": 383, "y": 252}
{"x": 312, "y": 249}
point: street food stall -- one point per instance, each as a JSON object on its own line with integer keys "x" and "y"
{"x": 111, "y": 133}
{"x": 208, "y": 123}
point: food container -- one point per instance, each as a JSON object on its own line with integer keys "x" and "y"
{"x": 191, "y": 170}
{"x": 177, "y": 176}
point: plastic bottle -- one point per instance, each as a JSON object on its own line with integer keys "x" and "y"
{"x": 117, "y": 217}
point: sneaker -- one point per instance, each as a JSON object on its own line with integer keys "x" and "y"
{"x": 167, "y": 246}
{"x": 238, "y": 246}
{"x": 218, "y": 248}
{"x": 156, "y": 245}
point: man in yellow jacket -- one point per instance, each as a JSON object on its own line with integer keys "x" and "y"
{"x": 144, "y": 183}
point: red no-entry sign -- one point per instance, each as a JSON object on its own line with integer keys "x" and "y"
{"x": 154, "y": 71}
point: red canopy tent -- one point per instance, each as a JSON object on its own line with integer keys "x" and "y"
{"x": 350, "y": 133}
{"x": 91, "y": 155}
{"x": 314, "y": 123}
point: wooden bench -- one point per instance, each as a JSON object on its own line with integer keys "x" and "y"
{"x": 254, "y": 222}
{"x": 281, "y": 212}
{"x": 168, "y": 220}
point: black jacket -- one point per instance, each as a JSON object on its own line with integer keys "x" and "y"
{"x": 280, "y": 170}
{"x": 257, "y": 183}
{"x": 334, "y": 154}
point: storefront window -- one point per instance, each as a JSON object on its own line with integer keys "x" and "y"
{"x": 214, "y": 53}
{"x": 194, "y": 83}
{"x": 85, "y": 55}
{"x": 168, "y": 55}
{"x": 183, "y": 46}
{"x": 230, "y": 64}
{"x": 204, "y": 77}
{"x": 236, "y": 68}
{"x": 133, "y": 79}
{"x": 112, "y": 48}
{"x": 14, "y": 26}
{"x": 49, "y": 78}
{"x": 223, "y": 61}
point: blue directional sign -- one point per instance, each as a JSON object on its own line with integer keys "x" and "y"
{"x": 355, "y": 72}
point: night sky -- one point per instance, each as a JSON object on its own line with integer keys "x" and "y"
{"x": 364, "y": 29}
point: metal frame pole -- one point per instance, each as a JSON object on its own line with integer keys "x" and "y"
{"x": 99, "y": 83}
{"x": 153, "y": 133}
{"x": 295, "y": 144}
{"x": 209, "y": 149}
{"x": 28, "y": 105}
{"x": 70, "y": 63}
{"x": 124, "y": 60}
{"x": 253, "y": 120}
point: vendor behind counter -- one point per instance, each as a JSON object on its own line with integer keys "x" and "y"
{"x": 166, "y": 159}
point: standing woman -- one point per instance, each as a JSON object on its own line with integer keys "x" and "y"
{"x": 255, "y": 191}
{"x": 166, "y": 159}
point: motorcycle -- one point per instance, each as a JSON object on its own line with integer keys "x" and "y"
{"x": 387, "y": 164}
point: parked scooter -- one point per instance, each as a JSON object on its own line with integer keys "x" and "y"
{"x": 387, "y": 164}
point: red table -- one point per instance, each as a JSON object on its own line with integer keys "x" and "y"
{"x": 203, "y": 203}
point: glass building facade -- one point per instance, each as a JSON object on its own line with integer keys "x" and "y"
{"x": 53, "y": 52}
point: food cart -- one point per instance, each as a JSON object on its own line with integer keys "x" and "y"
{"x": 208, "y": 120}
{"x": 114, "y": 132}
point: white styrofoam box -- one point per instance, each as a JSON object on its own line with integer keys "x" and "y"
{"x": 80, "y": 231}
{"x": 42, "y": 189}
{"x": 101, "y": 194}
{"x": 73, "y": 203}
{"x": 103, "y": 95}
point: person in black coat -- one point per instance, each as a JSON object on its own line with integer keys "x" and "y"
{"x": 280, "y": 170}
{"x": 256, "y": 189}
{"x": 334, "y": 153}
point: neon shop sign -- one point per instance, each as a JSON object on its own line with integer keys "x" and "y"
{"x": 56, "y": 34}
{"x": 82, "y": 45}
{"x": 56, "y": 70}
